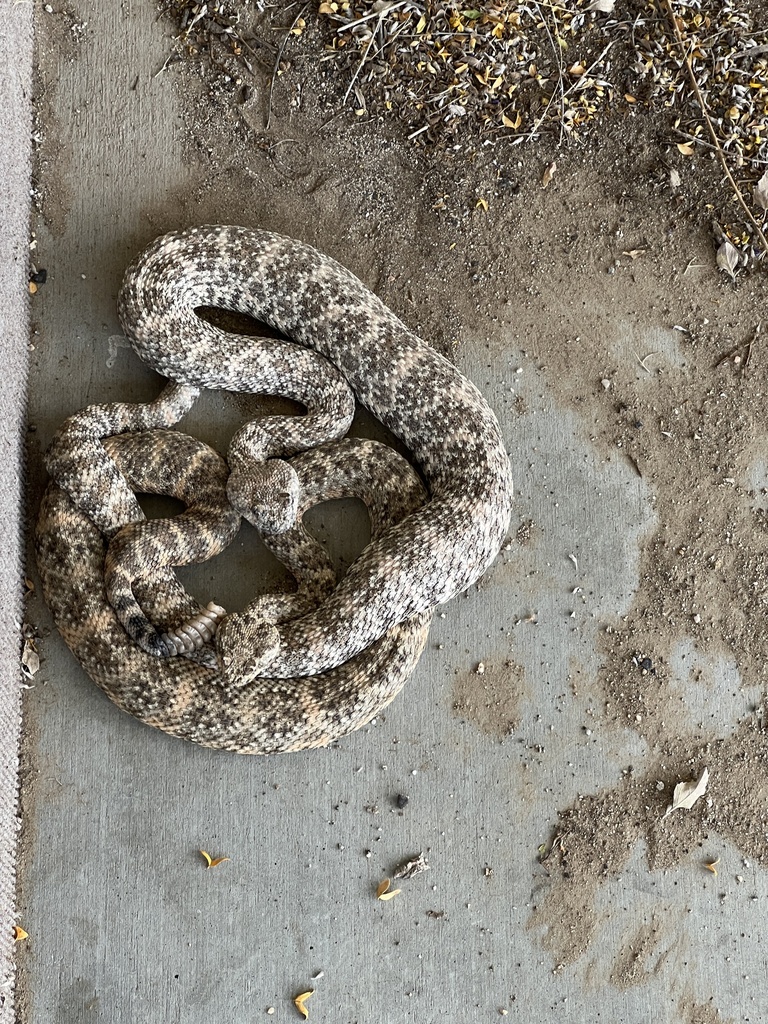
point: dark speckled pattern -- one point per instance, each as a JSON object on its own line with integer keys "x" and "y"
{"x": 334, "y": 654}
{"x": 188, "y": 699}
{"x": 441, "y": 417}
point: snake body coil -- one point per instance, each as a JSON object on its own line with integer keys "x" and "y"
{"x": 344, "y": 344}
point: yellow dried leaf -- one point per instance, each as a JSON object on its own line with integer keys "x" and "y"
{"x": 383, "y": 892}
{"x": 390, "y": 895}
{"x": 685, "y": 148}
{"x": 629, "y": 98}
{"x": 19, "y": 934}
{"x": 711, "y": 866}
{"x": 549, "y": 173}
{"x": 421, "y": 25}
{"x": 32, "y": 287}
{"x": 300, "y": 1001}
{"x": 482, "y": 204}
{"x": 325, "y": 8}
{"x": 299, "y": 27}
{"x": 211, "y": 862}
{"x": 576, "y": 69}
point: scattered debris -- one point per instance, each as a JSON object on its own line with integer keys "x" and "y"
{"x": 728, "y": 258}
{"x": 19, "y": 934}
{"x": 412, "y": 867}
{"x": 30, "y": 659}
{"x": 383, "y": 892}
{"x": 687, "y": 793}
{"x": 36, "y": 277}
{"x": 712, "y": 865}
{"x": 301, "y": 1000}
{"x": 500, "y": 73}
{"x": 212, "y": 862}
{"x": 558, "y": 845}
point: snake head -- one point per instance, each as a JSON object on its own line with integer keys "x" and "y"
{"x": 265, "y": 493}
{"x": 245, "y": 648}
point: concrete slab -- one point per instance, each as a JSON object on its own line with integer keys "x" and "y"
{"x": 126, "y": 924}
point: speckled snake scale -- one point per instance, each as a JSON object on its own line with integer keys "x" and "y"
{"x": 290, "y": 671}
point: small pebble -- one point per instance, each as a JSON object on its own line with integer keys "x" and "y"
{"x": 401, "y": 801}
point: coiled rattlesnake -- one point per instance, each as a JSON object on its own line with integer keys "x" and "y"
{"x": 269, "y": 657}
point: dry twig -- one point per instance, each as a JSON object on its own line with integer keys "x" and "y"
{"x": 278, "y": 59}
{"x": 710, "y": 127}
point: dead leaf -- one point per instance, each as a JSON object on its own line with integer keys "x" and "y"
{"x": 604, "y": 6}
{"x": 412, "y": 867}
{"x": 630, "y": 98}
{"x": 760, "y": 192}
{"x": 212, "y": 862}
{"x": 19, "y": 934}
{"x": 711, "y": 866}
{"x": 687, "y": 793}
{"x": 299, "y": 27}
{"x": 633, "y": 253}
{"x": 549, "y": 173}
{"x": 299, "y": 1002}
{"x": 685, "y": 148}
{"x": 383, "y": 892}
{"x": 576, "y": 70}
{"x": 30, "y": 659}
{"x": 728, "y": 258}
{"x": 482, "y": 204}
